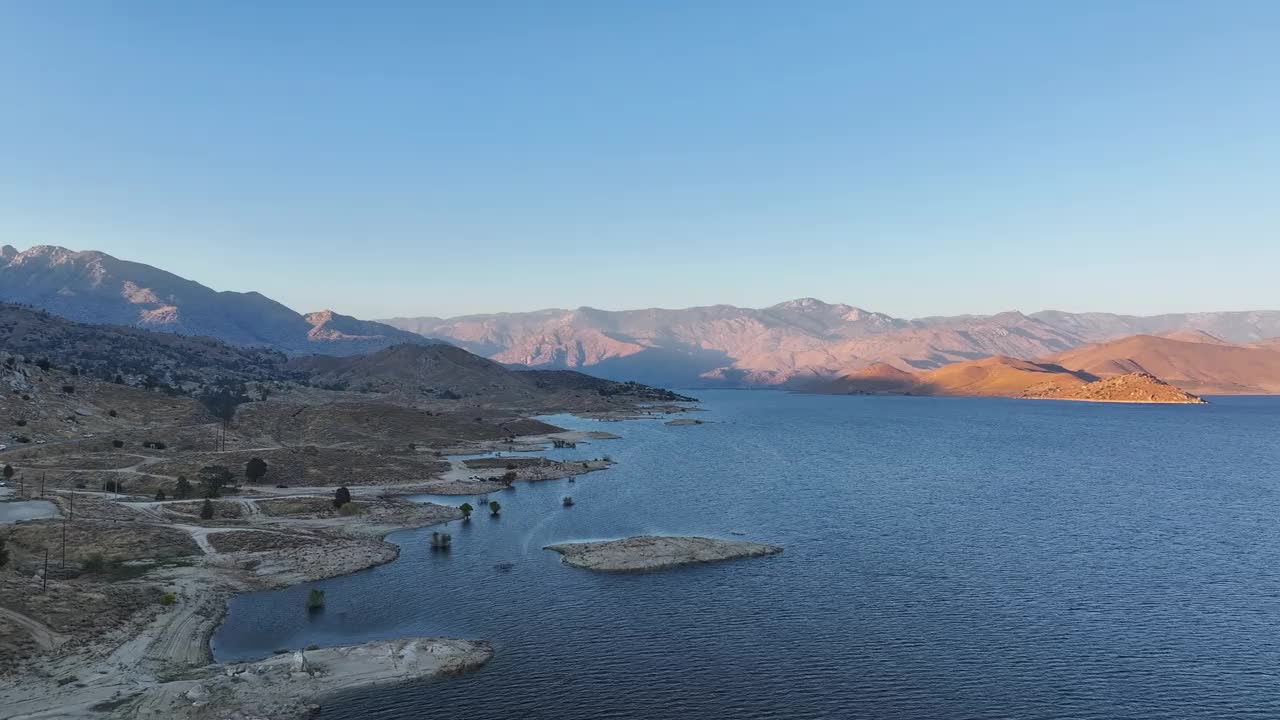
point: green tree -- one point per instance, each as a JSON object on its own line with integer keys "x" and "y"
{"x": 206, "y": 510}
{"x": 341, "y": 497}
{"x": 255, "y": 469}
{"x": 4, "y": 554}
{"x": 182, "y": 490}
{"x": 213, "y": 478}
{"x": 7, "y": 472}
{"x": 160, "y": 496}
{"x": 466, "y": 510}
{"x": 494, "y": 507}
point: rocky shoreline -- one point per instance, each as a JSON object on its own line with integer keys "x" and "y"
{"x": 645, "y": 553}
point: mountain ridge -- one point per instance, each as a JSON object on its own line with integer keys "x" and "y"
{"x": 93, "y": 287}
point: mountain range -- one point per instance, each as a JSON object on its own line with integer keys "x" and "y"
{"x": 797, "y": 340}
{"x": 94, "y": 287}
{"x": 788, "y": 344}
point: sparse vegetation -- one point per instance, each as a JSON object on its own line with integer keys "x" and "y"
{"x": 349, "y": 509}
{"x": 213, "y": 478}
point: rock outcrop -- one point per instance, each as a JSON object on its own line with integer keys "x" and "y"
{"x": 652, "y": 552}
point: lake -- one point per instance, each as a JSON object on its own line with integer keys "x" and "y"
{"x": 945, "y": 558}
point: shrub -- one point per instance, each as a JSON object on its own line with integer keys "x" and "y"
{"x": 117, "y": 444}
{"x": 95, "y": 563}
{"x": 349, "y": 509}
{"x": 255, "y": 469}
{"x": 115, "y": 486}
{"x": 213, "y": 478}
{"x": 511, "y": 466}
{"x": 341, "y": 497}
{"x": 509, "y": 476}
{"x": 20, "y": 422}
{"x": 168, "y": 599}
{"x": 69, "y": 389}
{"x": 113, "y": 413}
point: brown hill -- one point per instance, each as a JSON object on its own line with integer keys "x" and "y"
{"x": 1138, "y": 387}
{"x": 1199, "y": 367}
{"x": 988, "y": 377}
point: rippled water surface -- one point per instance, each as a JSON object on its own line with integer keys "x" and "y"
{"x": 944, "y": 559}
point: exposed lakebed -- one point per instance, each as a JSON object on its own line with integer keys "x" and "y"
{"x": 944, "y": 558}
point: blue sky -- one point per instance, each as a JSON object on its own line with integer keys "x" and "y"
{"x": 441, "y": 158}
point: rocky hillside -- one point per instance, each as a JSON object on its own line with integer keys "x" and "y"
{"x": 794, "y": 341}
{"x": 1136, "y": 387}
{"x": 445, "y": 372}
{"x": 94, "y": 287}
{"x": 138, "y": 357}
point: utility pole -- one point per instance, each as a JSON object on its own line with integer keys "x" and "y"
{"x": 42, "y": 484}
{"x": 44, "y": 581}
{"x": 64, "y": 542}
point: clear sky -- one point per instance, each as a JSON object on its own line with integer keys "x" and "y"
{"x": 440, "y": 158}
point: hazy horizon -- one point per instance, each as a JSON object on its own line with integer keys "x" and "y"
{"x": 912, "y": 160}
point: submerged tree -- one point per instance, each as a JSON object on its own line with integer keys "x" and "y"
{"x": 315, "y": 600}
{"x": 466, "y": 510}
{"x": 494, "y": 507}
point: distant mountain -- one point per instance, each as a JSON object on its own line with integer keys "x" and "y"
{"x": 1199, "y": 366}
{"x": 795, "y": 341}
{"x": 1232, "y": 327}
{"x": 94, "y": 287}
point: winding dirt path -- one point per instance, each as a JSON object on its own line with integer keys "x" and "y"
{"x": 44, "y": 636}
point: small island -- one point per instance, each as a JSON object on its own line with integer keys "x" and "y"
{"x": 651, "y": 552}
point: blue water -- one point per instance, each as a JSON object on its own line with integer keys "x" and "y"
{"x": 945, "y": 558}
